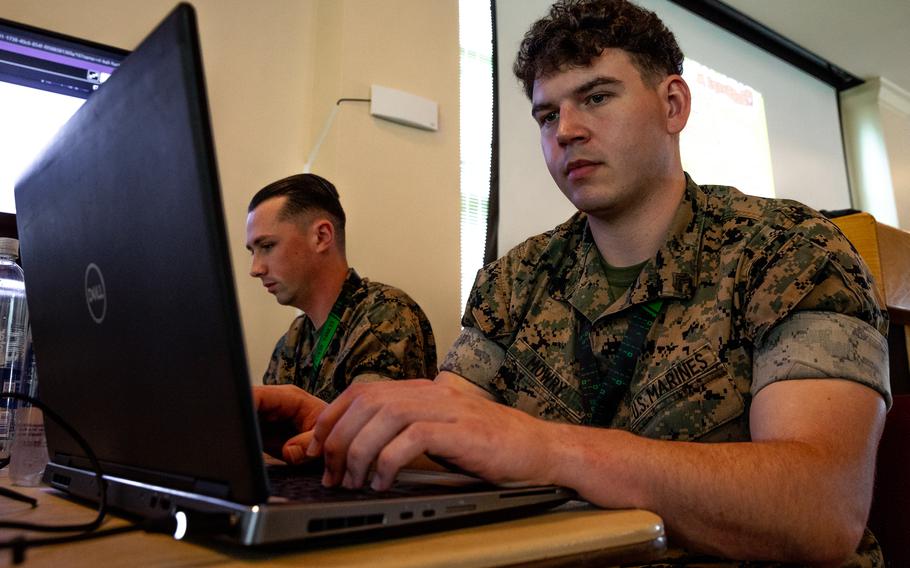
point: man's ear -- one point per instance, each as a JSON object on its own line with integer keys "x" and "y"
{"x": 322, "y": 235}
{"x": 678, "y": 103}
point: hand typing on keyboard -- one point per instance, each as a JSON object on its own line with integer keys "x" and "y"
{"x": 287, "y": 415}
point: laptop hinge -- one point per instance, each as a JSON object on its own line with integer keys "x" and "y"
{"x": 208, "y": 487}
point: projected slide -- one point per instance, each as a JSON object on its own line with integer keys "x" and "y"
{"x": 726, "y": 139}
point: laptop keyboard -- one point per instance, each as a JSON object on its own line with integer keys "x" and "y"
{"x": 305, "y": 484}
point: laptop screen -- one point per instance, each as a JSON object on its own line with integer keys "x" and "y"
{"x": 44, "y": 78}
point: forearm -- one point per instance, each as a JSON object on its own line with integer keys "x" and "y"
{"x": 768, "y": 500}
{"x": 798, "y": 492}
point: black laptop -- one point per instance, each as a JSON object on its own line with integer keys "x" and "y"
{"x": 136, "y": 329}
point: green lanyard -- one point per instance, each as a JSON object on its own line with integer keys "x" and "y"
{"x": 330, "y": 327}
{"x": 603, "y": 394}
{"x": 326, "y": 334}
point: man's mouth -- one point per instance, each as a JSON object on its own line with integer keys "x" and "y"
{"x": 579, "y": 168}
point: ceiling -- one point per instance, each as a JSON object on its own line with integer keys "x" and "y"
{"x": 868, "y": 38}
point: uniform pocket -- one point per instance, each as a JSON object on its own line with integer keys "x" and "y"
{"x": 689, "y": 400}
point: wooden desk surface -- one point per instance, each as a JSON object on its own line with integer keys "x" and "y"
{"x": 570, "y": 535}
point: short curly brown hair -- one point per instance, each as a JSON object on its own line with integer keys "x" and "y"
{"x": 575, "y": 32}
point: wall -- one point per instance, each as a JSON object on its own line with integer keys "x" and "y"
{"x": 896, "y": 128}
{"x": 399, "y": 185}
{"x": 273, "y": 70}
{"x": 876, "y": 123}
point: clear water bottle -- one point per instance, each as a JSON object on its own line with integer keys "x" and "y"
{"x": 28, "y": 455}
{"x": 13, "y": 323}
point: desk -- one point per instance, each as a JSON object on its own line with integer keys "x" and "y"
{"x": 575, "y": 534}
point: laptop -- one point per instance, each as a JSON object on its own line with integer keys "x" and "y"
{"x": 136, "y": 330}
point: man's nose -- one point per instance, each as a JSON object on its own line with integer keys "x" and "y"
{"x": 257, "y": 268}
{"x": 572, "y": 127}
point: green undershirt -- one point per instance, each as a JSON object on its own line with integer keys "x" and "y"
{"x": 621, "y": 278}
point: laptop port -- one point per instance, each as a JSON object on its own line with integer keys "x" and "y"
{"x": 60, "y": 480}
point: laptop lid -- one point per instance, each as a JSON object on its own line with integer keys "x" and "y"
{"x": 135, "y": 323}
{"x": 129, "y": 282}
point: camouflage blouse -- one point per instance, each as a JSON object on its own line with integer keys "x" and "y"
{"x": 383, "y": 334}
{"x": 754, "y": 291}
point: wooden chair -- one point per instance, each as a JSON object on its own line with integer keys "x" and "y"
{"x": 887, "y": 252}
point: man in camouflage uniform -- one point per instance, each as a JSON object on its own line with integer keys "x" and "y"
{"x": 604, "y": 354}
{"x": 351, "y": 329}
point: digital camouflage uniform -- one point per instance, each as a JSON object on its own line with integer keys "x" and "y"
{"x": 383, "y": 333}
{"x": 754, "y": 290}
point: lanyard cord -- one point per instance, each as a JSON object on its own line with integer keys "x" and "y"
{"x": 330, "y": 327}
{"x": 326, "y": 334}
{"x": 602, "y": 394}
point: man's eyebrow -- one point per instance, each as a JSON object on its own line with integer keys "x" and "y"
{"x": 600, "y": 81}
{"x": 596, "y": 82}
{"x": 256, "y": 241}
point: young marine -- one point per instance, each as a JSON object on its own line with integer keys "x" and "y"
{"x": 717, "y": 358}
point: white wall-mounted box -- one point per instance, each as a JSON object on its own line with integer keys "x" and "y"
{"x": 404, "y": 108}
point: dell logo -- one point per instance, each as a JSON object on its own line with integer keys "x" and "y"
{"x": 95, "y": 292}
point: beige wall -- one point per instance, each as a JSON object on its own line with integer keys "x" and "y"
{"x": 399, "y": 185}
{"x": 896, "y": 127}
{"x": 876, "y": 122}
{"x": 274, "y": 68}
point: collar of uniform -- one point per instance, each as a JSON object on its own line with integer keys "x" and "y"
{"x": 352, "y": 283}
{"x": 588, "y": 289}
{"x": 345, "y": 300}
{"x": 564, "y": 253}
{"x": 303, "y": 333}
{"x": 671, "y": 273}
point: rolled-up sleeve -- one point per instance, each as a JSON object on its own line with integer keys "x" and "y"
{"x": 475, "y": 358}
{"x": 823, "y": 344}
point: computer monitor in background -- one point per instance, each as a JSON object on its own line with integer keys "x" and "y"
{"x": 44, "y": 78}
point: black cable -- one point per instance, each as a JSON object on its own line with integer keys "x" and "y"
{"x": 174, "y": 524}
{"x": 16, "y": 496}
{"x": 19, "y": 544}
{"x": 99, "y": 475}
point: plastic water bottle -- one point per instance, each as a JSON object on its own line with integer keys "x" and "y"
{"x": 28, "y": 455}
{"x": 13, "y": 323}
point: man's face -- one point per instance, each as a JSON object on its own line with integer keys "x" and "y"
{"x": 283, "y": 254}
{"x": 604, "y": 133}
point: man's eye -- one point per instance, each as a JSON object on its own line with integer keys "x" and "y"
{"x": 548, "y": 118}
{"x": 598, "y": 98}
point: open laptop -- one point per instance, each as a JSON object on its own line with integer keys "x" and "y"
{"x": 136, "y": 330}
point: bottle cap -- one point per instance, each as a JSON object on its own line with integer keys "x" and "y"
{"x": 9, "y": 247}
